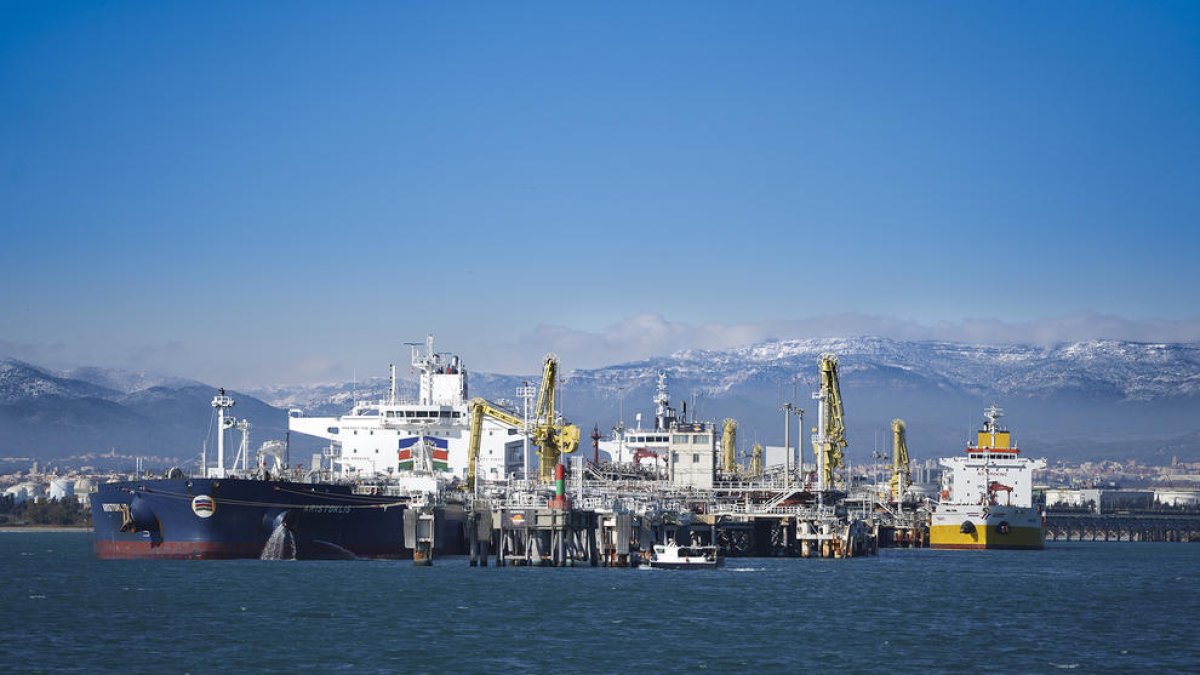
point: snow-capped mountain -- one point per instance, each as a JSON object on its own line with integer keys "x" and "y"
{"x": 124, "y": 381}
{"x": 20, "y": 381}
{"x": 44, "y": 413}
{"x": 1066, "y": 399}
{"x": 1126, "y": 370}
{"x": 1069, "y": 400}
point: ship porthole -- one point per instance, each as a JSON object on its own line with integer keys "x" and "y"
{"x": 1003, "y": 527}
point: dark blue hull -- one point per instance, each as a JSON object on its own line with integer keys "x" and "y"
{"x": 243, "y": 518}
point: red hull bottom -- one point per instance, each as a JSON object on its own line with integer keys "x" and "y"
{"x": 176, "y": 550}
{"x": 200, "y": 550}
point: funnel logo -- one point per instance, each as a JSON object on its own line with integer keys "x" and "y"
{"x": 204, "y": 506}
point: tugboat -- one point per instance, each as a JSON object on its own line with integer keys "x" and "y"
{"x": 987, "y": 496}
{"x": 672, "y": 556}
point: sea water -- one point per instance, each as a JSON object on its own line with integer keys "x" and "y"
{"x": 1119, "y": 607}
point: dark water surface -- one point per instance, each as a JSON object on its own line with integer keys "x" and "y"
{"x": 1075, "y": 606}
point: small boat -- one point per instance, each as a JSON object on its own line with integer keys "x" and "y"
{"x": 672, "y": 556}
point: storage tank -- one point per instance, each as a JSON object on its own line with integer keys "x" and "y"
{"x": 83, "y": 487}
{"x": 62, "y": 488}
{"x": 34, "y": 491}
{"x": 18, "y": 493}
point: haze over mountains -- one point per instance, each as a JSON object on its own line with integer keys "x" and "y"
{"x": 1084, "y": 400}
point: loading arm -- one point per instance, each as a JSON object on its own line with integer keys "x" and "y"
{"x": 552, "y": 437}
{"x": 901, "y": 472}
{"x": 832, "y": 422}
{"x": 729, "y": 447}
{"x": 479, "y": 408}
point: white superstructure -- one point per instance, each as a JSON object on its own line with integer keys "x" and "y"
{"x": 991, "y": 471}
{"x": 377, "y": 440}
{"x": 644, "y": 446}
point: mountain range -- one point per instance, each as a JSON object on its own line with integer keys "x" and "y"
{"x": 1084, "y": 400}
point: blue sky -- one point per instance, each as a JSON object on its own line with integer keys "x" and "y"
{"x": 284, "y": 192}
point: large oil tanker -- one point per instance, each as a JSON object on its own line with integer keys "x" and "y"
{"x": 399, "y": 503}
{"x": 243, "y": 512}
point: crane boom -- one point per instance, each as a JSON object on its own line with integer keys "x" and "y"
{"x": 480, "y": 408}
{"x": 545, "y": 400}
{"x": 552, "y": 437}
{"x": 832, "y": 436}
{"x": 901, "y": 472}
{"x": 729, "y": 447}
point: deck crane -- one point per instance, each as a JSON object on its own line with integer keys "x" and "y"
{"x": 831, "y": 428}
{"x": 729, "y": 447}
{"x": 551, "y": 435}
{"x": 901, "y": 472}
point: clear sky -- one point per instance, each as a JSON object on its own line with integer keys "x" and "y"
{"x": 257, "y": 193}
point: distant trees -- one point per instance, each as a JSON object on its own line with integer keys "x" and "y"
{"x": 65, "y": 512}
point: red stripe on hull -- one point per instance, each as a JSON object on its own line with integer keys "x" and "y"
{"x": 197, "y": 550}
{"x": 178, "y": 550}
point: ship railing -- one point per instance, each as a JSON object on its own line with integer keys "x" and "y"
{"x": 803, "y": 512}
{"x": 525, "y": 499}
{"x": 747, "y": 509}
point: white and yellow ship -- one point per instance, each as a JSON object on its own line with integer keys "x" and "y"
{"x": 987, "y": 496}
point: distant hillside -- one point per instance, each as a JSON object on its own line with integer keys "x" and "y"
{"x": 1066, "y": 400}
{"x": 1086, "y": 400}
{"x": 48, "y": 415}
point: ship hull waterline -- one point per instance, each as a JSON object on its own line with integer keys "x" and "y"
{"x": 986, "y": 537}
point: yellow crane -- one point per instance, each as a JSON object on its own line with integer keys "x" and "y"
{"x": 831, "y": 429}
{"x": 901, "y": 472}
{"x": 479, "y": 409}
{"x": 552, "y": 437}
{"x": 729, "y": 447}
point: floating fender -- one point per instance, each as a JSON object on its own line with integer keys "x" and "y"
{"x": 967, "y": 527}
{"x": 1004, "y": 527}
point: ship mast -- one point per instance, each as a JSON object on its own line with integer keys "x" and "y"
{"x": 664, "y": 414}
{"x": 222, "y": 403}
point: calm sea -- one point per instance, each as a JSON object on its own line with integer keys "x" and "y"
{"x": 1090, "y": 607}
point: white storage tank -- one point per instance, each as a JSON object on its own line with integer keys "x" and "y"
{"x": 34, "y": 491}
{"x": 83, "y": 487}
{"x": 62, "y": 488}
{"x": 18, "y": 493}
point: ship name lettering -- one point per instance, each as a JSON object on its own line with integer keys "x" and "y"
{"x": 327, "y": 509}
